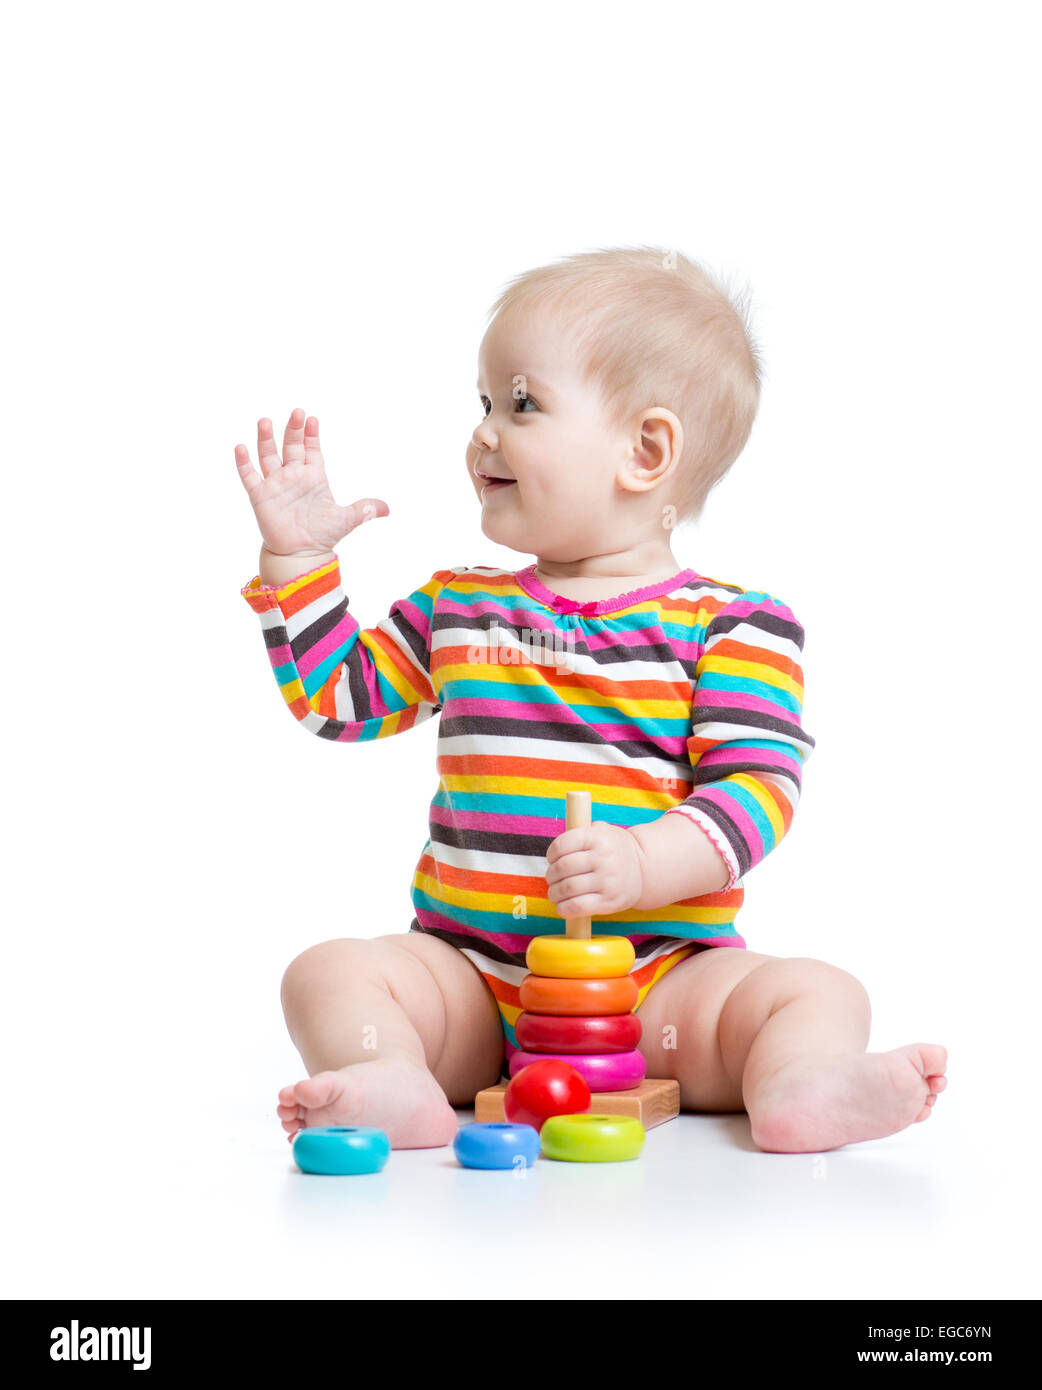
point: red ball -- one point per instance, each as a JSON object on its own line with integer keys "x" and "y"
{"x": 543, "y": 1089}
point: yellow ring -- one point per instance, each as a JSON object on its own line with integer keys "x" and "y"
{"x": 578, "y": 958}
{"x": 592, "y": 1138}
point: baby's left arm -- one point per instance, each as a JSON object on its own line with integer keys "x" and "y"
{"x": 747, "y": 748}
{"x": 747, "y": 745}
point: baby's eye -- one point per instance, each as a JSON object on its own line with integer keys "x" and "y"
{"x": 520, "y": 404}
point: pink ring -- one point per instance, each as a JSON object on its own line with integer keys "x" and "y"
{"x": 602, "y": 1071}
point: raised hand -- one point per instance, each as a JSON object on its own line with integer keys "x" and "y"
{"x": 295, "y": 510}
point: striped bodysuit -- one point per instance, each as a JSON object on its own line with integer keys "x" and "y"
{"x": 682, "y": 698}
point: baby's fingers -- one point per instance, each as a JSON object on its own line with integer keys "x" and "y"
{"x": 293, "y": 442}
{"x": 251, "y": 479}
{"x": 364, "y": 510}
{"x": 266, "y": 451}
{"x": 312, "y": 448}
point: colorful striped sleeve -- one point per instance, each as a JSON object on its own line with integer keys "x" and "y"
{"x": 747, "y": 746}
{"x": 343, "y": 682}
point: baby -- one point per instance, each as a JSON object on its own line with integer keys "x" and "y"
{"x": 616, "y": 387}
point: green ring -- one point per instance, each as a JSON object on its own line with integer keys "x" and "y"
{"x": 592, "y": 1138}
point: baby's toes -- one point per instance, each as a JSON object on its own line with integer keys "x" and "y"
{"x": 319, "y": 1090}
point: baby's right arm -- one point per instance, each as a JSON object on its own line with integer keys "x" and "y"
{"x": 341, "y": 682}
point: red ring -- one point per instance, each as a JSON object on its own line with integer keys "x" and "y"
{"x": 545, "y": 1033}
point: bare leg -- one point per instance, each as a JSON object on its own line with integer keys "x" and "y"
{"x": 807, "y": 1082}
{"x": 784, "y": 1039}
{"x": 393, "y": 1032}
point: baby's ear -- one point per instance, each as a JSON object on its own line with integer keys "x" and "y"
{"x": 656, "y": 451}
{"x": 633, "y": 476}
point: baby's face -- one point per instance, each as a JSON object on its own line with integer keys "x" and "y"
{"x": 544, "y": 428}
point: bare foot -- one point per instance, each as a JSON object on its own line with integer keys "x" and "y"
{"x": 390, "y": 1093}
{"x": 808, "y": 1105}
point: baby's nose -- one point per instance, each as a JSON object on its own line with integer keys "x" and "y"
{"x": 480, "y": 440}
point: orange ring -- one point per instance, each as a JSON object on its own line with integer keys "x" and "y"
{"x": 541, "y": 994}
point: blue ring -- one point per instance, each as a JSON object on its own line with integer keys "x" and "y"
{"x": 341, "y": 1149}
{"x": 496, "y": 1145}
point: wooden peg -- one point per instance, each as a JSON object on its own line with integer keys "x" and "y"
{"x": 578, "y": 813}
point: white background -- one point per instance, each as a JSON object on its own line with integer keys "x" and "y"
{"x": 218, "y": 212}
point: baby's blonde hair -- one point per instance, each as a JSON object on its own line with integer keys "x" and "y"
{"x": 654, "y": 328}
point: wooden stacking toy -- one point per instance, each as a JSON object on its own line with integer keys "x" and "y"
{"x": 577, "y": 1004}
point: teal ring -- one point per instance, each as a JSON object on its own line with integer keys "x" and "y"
{"x": 337, "y": 1149}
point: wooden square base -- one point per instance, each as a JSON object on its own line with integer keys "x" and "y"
{"x": 652, "y": 1102}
